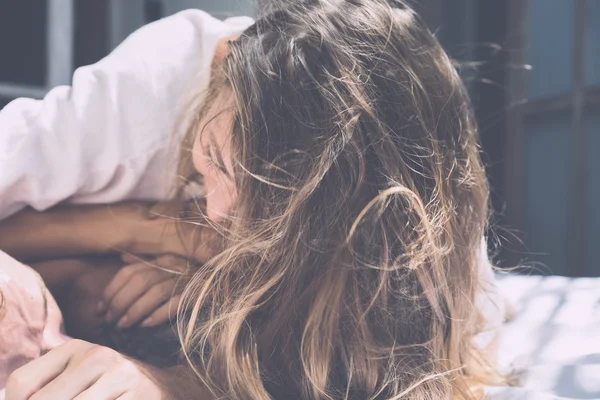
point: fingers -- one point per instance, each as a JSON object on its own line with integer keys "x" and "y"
{"x": 140, "y": 289}
{"x": 33, "y": 378}
{"x": 120, "y": 279}
{"x": 82, "y": 371}
{"x": 163, "y": 313}
{"x": 122, "y": 382}
{"x": 147, "y": 303}
{"x": 129, "y": 285}
{"x": 112, "y": 385}
{"x": 131, "y": 259}
{"x": 70, "y": 383}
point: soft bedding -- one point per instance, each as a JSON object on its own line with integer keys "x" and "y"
{"x": 551, "y": 344}
{"x": 30, "y": 321}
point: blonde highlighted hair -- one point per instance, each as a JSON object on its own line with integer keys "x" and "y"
{"x": 349, "y": 267}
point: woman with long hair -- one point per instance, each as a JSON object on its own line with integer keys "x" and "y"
{"x": 342, "y": 180}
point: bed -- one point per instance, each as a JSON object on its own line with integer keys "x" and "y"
{"x": 552, "y": 344}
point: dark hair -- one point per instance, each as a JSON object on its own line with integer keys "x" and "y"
{"x": 350, "y": 266}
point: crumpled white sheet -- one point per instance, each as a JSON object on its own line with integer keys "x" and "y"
{"x": 553, "y": 342}
{"x": 30, "y": 321}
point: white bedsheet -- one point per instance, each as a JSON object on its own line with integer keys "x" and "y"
{"x": 552, "y": 343}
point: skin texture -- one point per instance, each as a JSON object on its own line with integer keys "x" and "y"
{"x": 83, "y": 370}
{"x": 79, "y": 301}
{"x": 212, "y": 159}
{"x": 143, "y": 292}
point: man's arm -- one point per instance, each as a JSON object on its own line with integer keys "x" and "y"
{"x": 73, "y": 231}
{"x": 63, "y": 232}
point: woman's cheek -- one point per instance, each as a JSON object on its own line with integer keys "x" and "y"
{"x": 198, "y": 160}
{"x": 219, "y": 201}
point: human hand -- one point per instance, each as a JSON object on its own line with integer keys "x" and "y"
{"x": 143, "y": 291}
{"x": 84, "y": 371}
{"x": 70, "y": 231}
{"x": 157, "y": 230}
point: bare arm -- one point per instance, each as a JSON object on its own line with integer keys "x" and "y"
{"x": 65, "y": 232}
{"x": 73, "y": 231}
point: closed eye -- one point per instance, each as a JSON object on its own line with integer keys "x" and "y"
{"x": 213, "y": 163}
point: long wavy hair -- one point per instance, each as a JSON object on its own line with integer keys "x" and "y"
{"x": 349, "y": 264}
